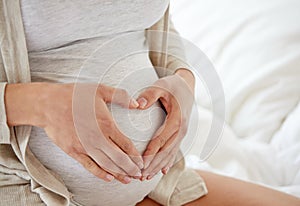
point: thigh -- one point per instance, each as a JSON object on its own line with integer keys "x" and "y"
{"x": 223, "y": 191}
{"x": 147, "y": 202}
{"x": 226, "y": 191}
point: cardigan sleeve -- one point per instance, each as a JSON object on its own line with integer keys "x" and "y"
{"x": 175, "y": 58}
{"x": 4, "y": 129}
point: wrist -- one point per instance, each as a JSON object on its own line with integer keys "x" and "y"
{"x": 23, "y": 104}
{"x": 188, "y": 77}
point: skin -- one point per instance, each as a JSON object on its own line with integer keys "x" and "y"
{"x": 177, "y": 101}
{"x": 106, "y": 153}
{"x": 223, "y": 191}
{"x": 226, "y": 191}
{"x": 49, "y": 106}
{"x": 102, "y": 149}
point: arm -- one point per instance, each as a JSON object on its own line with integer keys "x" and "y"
{"x": 22, "y": 102}
{"x": 175, "y": 90}
{"x": 50, "y": 106}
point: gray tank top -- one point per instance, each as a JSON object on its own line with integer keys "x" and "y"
{"x": 94, "y": 41}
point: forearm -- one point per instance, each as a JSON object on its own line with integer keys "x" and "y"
{"x": 22, "y": 103}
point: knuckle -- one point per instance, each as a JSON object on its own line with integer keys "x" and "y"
{"x": 106, "y": 122}
{"x": 151, "y": 148}
{"x": 149, "y": 93}
{"x": 162, "y": 141}
{"x": 89, "y": 164}
{"x": 127, "y": 147}
{"x": 71, "y": 151}
{"x": 122, "y": 93}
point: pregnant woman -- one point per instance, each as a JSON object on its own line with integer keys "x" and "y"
{"x": 97, "y": 134}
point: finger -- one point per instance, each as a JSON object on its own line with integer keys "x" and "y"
{"x": 161, "y": 156}
{"x": 164, "y": 166}
{"x": 170, "y": 165}
{"x": 121, "y": 150}
{"x": 148, "y": 97}
{"x": 92, "y": 167}
{"x": 133, "y": 171}
{"x": 108, "y": 165}
{"x": 111, "y": 131}
{"x": 163, "y": 163}
{"x": 127, "y": 146}
{"x": 181, "y": 134}
{"x": 166, "y": 162}
{"x": 166, "y": 131}
{"x": 165, "y": 170}
{"x": 117, "y": 96}
{"x": 122, "y": 160}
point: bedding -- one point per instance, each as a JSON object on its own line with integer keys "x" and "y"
{"x": 255, "y": 48}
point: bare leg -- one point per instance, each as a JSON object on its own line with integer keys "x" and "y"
{"x": 229, "y": 191}
{"x": 223, "y": 191}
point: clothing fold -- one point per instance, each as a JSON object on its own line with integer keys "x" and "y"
{"x": 23, "y": 172}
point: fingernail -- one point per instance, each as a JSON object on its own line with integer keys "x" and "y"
{"x": 142, "y": 102}
{"x": 143, "y": 178}
{"x": 166, "y": 170}
{"x": 150, "y": 176}
{"x": 127, "y": 179}
{"x": 109, "y": 177}
{"x": 134, "y": 103}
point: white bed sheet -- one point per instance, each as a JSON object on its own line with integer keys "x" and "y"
{"x": 255, "y": 47}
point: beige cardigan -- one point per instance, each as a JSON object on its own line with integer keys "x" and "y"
{"x": 20, "y": 172}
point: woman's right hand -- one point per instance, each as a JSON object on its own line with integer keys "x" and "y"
{"x": 89, "y": 135}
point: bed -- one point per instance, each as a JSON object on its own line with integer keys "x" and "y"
{"x": 255, "y": 48}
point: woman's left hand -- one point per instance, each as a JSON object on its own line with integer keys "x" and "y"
{"x": 176, "y": 93}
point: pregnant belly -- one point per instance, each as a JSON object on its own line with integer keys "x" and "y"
{"x": 138, "y": 125}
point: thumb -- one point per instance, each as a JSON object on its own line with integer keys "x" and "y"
{"x": 149, "y": 97}
{"x": 118, "y": 96}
